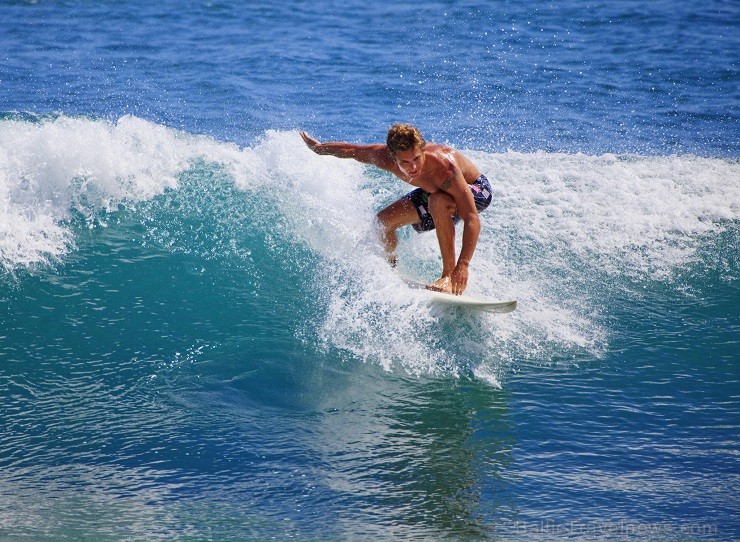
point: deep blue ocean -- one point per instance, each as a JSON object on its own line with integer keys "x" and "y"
{"x": 200, "y": 338}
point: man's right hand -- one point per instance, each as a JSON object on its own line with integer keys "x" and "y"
{"x": 312, "y": 143}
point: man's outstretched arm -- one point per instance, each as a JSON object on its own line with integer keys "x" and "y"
{"x": 376, "y": 155}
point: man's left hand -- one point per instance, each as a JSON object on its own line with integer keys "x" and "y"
{"x": 459, "y": 278}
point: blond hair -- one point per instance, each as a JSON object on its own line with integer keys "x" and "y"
{"x": 403, "y": 137}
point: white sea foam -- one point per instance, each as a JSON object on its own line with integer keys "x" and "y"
{"x": 625, "y": 214}
{"x": 52, "y": 166}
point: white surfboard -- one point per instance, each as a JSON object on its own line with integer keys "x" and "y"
{"x": 465, "y": 301}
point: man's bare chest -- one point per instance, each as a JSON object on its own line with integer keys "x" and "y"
{"x": 428, "y": 185}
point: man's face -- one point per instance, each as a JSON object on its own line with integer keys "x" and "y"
{"x": 410, "y": 161}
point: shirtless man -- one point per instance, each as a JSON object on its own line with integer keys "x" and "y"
{"x": 449, "y": 188}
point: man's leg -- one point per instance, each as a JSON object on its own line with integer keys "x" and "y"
{"x": 442, "y": 208}
{"x": 397, "y": 214}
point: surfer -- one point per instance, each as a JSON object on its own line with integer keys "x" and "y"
{"x": 449, "y": 189}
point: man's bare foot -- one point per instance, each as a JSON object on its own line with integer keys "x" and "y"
{"x": 441, "y": 285}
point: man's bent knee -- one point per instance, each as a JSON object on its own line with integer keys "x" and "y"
{"x": 441, "y": 203}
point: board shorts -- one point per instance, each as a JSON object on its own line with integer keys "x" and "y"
{"x": 482, "y": 196}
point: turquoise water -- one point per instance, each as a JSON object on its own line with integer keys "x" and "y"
{"x": 200, "y": 338}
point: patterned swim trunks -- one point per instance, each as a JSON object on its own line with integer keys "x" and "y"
{"x": 420, "y": 198}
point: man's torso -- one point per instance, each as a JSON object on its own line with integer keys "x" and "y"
{"x": 440, "y": 161}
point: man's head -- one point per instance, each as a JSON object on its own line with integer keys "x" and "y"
{"x": 404, "y": 137}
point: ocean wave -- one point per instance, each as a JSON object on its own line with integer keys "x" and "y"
{"x": 562, "y": 231}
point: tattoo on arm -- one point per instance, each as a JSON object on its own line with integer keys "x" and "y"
{"x": 447, "y": 184}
